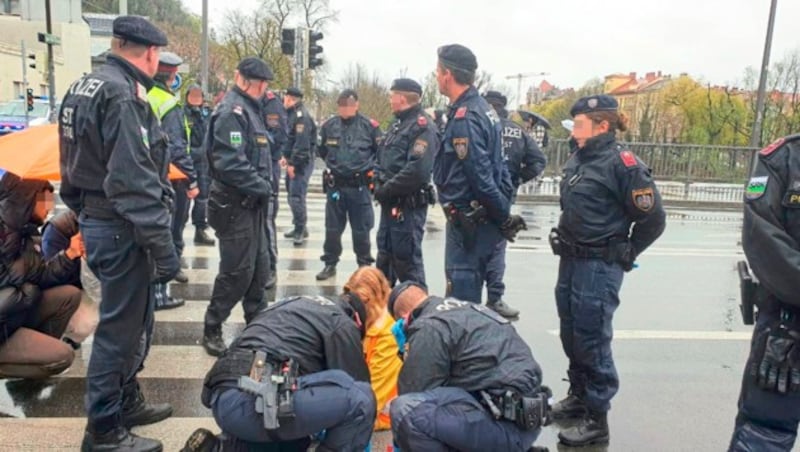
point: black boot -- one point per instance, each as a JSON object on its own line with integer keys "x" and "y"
{"x": 212, "y": 341}
{"x": 201, "y": 440}
{"x": 502, "y": 308}
{"x": 170, "y": 303}
{"x": 573, "y": 406}
{"x": 181, "y": 277}
{"x": 135, "y": 411}
{"x": 300, "y": 237}
{"x": 289, "y": 234}
{"x": 202, "y": 238}
{"x": 119, "y": 440}
{"x": 328, "y": 272}
{"x": 592, "y": 429}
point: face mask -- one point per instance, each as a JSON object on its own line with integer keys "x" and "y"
{"x": 399, "y": 333}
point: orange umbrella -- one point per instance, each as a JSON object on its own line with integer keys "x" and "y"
{"x": 33, "y": 154}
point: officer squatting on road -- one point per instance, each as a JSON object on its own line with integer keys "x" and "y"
{"x": 114, "y": 175}
{"x": 473, "y": 183}
{"x": 524, "y": 162}
{"x": 241, "y": 190}
{"x": 348, "y": 144}
{"x": 468, "y": 383}
{"x": 605, "y": 190}
{"x": 298, "y": 156}
{"x": 769, "y": 402}
{"x": 275, "y": 117}
{"x": 403, "y": 172}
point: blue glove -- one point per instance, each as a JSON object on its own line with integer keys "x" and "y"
{"x": 399, "y": 333}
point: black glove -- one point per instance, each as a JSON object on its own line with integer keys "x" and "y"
{"x": 166, "y": 266}
{"x": 512, "y": 226}
{"x": 776, "y": 363}
{"x": 627, "y": 256}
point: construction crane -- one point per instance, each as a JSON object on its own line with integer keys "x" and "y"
{"x": 522, "y": 76}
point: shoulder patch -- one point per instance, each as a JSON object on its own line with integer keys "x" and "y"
{"x": 422, "y": 121}
{"x": 461, "y": 113}
{"x": 237, "y": 109}
{"x": 628, "y": 159}
{"x": 461, "y": 146}
{"x": 374, "y": 123}
{"x": 643, "y": 198}
{"x": 420, "y": 146}
{"x": 772, "y": 147}
{"x": 270, "y": 95}
{"x": 756, "y": 187}
{"x": 299, "y": 114}
{"x": 141, "y": 92}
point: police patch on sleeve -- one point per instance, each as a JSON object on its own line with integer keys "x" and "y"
{"x": 643, "y": 199}
{"x": 420, "y": 146}
{"x": 236, "y": 139}
{"x": 756, "y": 187}
{"x": 461, "y": 146}
{"x": 300, "y": 128}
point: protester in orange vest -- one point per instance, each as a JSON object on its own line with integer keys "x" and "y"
{"x": 380, "y": 346}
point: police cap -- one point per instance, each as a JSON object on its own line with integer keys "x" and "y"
{"x": 139, "y": 30}
{"x": 591, "y": 104}
{"x": 347, "y": 96}
{"x": 294, "y": 92}
{"x": 457, "y": 56}
{"x": 169, "y": 59}
{"x": 495, "y": 98}
{"x": 398, "y": 290}
{"x": 254, "y": 68}
{"x": 406, "y": 85}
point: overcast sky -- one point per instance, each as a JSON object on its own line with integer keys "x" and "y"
{"x": 572, "y": 40}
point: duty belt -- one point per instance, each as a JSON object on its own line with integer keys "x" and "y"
{"x": 565, "y": 248}
{"x": 527, "y": 413}
{"x": 95, "y": 204}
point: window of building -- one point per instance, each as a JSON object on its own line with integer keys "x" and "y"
{"x": 11, "y": 7}
{"x": 19, "y": 90}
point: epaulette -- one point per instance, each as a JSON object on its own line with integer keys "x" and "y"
{"x": 628, "y": 159}
{"x": 270, "y": 95}
{"x": 374, "y": 123}
{"x": 461, "y": 113}
{"x": 237, "y": 109}
{"x": 422, "y": 121}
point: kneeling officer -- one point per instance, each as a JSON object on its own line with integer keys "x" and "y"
{"x": 297, "y": 369}
{"x": 468, "y": 383}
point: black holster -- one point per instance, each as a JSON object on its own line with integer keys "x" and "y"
{"x": 527, "y": 413}
{"x": 747, "y": 288}
{"x": 421, "y": 198}
{"x": 466, "y": 220}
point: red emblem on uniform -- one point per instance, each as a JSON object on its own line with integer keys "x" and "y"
{"x": 374, "y": 123}
{"x": 422, "y": 121}
{"x": 772, "y": 147}
{"x": 628, "y": 159}
{"x": 270, "y": 95}
{"x": 461, "y": 113}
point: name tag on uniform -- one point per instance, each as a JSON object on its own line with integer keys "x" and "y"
{"x": 332, "y": 142}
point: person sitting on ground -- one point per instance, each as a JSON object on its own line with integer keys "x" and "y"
{"x": 380, "y": 346}
{"x": 34, "y": 309}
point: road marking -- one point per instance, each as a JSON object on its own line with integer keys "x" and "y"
{"x": 677, "y": 335}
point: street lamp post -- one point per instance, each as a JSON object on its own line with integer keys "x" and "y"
{"x": 755, "y": 136}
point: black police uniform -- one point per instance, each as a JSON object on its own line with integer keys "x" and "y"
{"x": 604, "y": 191}
{"x": 456, "y": 350}
{"x": 332, "y": 393}
{"x": 474, "y": 186}
{"x": 769, "y": 403}
{"x": 197, "y": 121}
{"x": 405, "y": 163}
{"x": 275, "y": 116}
{"x": 300, "y": 153}
{"x": 241, "y": 189}
{"x": 348, "y": 147}
{"x": 114, "y": 165}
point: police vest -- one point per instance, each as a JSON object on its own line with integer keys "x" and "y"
{"x": 162, "y": 102}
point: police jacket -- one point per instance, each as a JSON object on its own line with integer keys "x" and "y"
{"x": 314, "y": 331}
{"x": 56, "y": 236}
{"x": 771, "y": 231}
{"x": 277, "y": 124}
{"x": 198, "y": 124}
{"x": 24, "y": 272}
{"x": 349, "y": 146}
{"x": 238, "y": 147}
{"x": 465, "y": 345}
{"x": 522, "y": 155}
{"x": 174, "y": 124}
{"x": 405, "y": 158}
{"x": 302, "y": 136}
{"x": 113, "y": 147}
{"x": 469, "y": 165}
{"x": 605, "y": 189}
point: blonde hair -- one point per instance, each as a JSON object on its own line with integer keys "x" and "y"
{"x": 372, "y": 288}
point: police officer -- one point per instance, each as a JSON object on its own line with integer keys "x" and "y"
{"x": 241, "y": 189}
{"x": 173, "y": 122}
{"x": 349, "y": 142}
{"x": 605, "y": 190}
{"x": 113, "y": 166}
{"x": 473, "y": 184}
{"x": 197, "y": 122}
{"x": 525, "y": 162}
{"x": 277, "y": 127}
{"x": 468, "y": 383}
{"x": 405, "y": 162}
{"x": 299, "y": 156}
{"x": 322, "y": 337}
{"x": 769, "y": 403}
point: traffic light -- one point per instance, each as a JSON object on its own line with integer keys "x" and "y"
{"x": 287, "y": 41}
{"x": 29, "y": 99}
{"x": 32, "y": 56}
{"x": 314, "y": 50}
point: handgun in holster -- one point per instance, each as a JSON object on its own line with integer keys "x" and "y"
{"x": 466, "y": 221}
{"x": 328, "y": 181}
{"x": 269, "y": 384}
{"x": 556, "y": 243}
{"x": 527, "y": 413}
{"x": 748, "y": 286}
